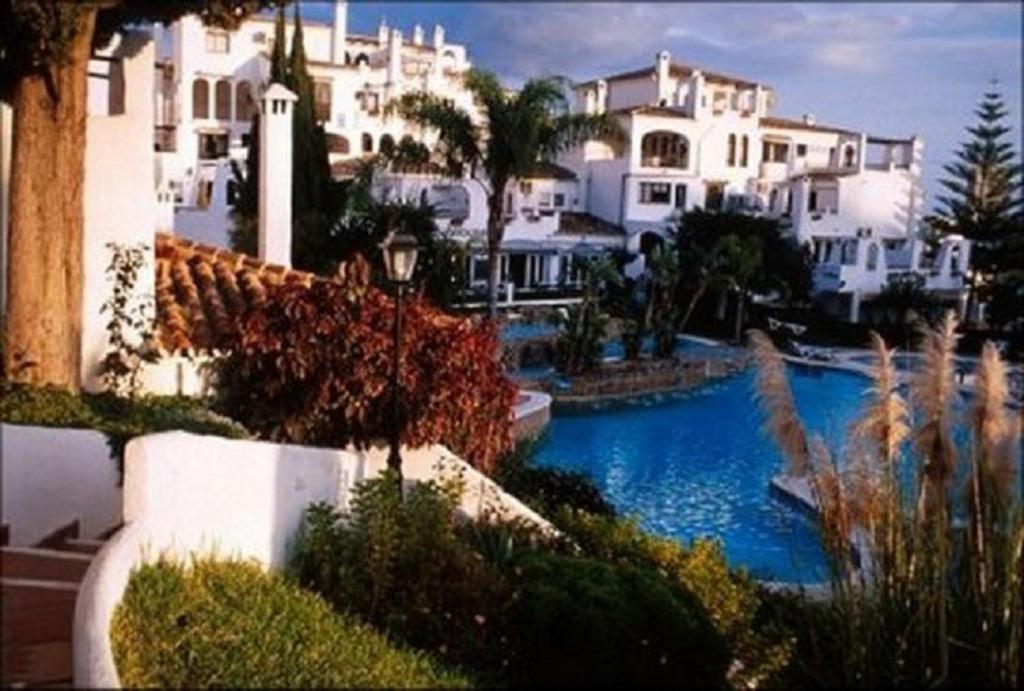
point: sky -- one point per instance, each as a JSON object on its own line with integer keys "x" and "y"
{"x": 891, "y": 69}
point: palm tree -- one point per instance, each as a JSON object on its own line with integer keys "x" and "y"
{"x": 518, "y": 130}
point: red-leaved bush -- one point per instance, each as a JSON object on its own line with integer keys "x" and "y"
{"x": 312, "y": 365}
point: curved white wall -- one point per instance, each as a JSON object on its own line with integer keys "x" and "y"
{"x": 186, "y": 494}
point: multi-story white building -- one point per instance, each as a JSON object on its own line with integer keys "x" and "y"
{"x": 702, "y": 139}
{"x": 694, "y": 138}
{"x": 209, "y": 80}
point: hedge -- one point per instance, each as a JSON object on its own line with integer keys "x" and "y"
{"x": 229, "y": 624}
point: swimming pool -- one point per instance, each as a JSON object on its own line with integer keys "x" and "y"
{"x": 698, "y": 466}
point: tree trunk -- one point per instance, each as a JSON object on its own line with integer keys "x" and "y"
{"x": 692, "y": 305}
{"x": 44, "y": 313}
{"x": 740, "y": 299}
{"x": 495, "y": 233}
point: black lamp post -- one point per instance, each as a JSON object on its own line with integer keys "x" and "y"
{"x": 399, "y": 262}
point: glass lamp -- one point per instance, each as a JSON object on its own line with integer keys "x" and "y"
{"x": 400, "y": 258}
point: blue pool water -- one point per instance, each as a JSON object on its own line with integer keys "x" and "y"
{"x": 700, "y": 467}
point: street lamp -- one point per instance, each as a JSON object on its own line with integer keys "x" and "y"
{"x": 399, "y": 262}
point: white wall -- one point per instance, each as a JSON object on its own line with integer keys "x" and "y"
{"x": 187, "y": 495}
{"x": 54, "y": 476}
{"x": 120, "y": 193}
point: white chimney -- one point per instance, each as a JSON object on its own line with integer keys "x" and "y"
{"x": 809, "y": 119}
{"x": 664, "y": 60}
{"x": 394, "y": 56}
{"x": 417, "y": 35}
{"x": 602, "y": 96}
{"x": 275, "y": 194}
{"x": 438, "y": 37}
{"x": 382, "y": 33}
{"x": 339, "y": 32}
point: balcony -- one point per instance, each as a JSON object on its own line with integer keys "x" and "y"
{"x": 164, "y": 139}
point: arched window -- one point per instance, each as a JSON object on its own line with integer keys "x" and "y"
{"x": 873, "y": 256}
{"x": 367, "y": 143}
{"x": 200, "y": 99}
{"x": 245, "y": 106}
{"x": 664, "y": 150}
{"x": 223, "y": 93}
{"x": 731, "y": 156}
{"x": 848, "y": 156}
{"x": 362, "y": 59}
{"x": 387, "y": 144}
{"x": 744, "y": 151}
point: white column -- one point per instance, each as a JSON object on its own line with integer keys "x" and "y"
{"x": 275, "y": 193}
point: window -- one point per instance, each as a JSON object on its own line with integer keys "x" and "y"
{"x": 223, "y": 94}
{"x": 745, "y": 151}
{"x": 664, "y": 150}
{"x": 322, "y": 100}
{"x": 526, "y": 188}
{"x": 774, "y": 152}
{"x": 849, "y": 156}
{"x": 213, "y": 145}
{"x": 559, "y": 200}
{"x": 812, "y": 201}
{"x": 387, "y": 145}
{"x": 259, "y": 37}
{"x": 545, "y": 199}
{"x": 681, "y": 197}
{"x": 655, "y": 193}
{"x": 200, "y": 99}
{"x": 873, "y": 257}
{"x": 801, "y": 150}
{"x": 245, "y": 106}
{"x": 731, "y": 156}
{"x": 217, "y": 41}
{"x": 367, "y": 143}
{"x": 714, "y": 196}
{"x": 369, "y": 102}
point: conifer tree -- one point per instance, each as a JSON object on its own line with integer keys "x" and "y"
{"x": 982, "y": 199}
{"x": 278, "y": 55}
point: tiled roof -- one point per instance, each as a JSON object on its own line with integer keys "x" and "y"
{"x": 786, "y": 124}
{"x": 545, "y": 170}
{"x": 663, "y": 111}
{"x": 677, "y": 69}
{"x": 574, "y": 223}
{"x": 201, "y": 291}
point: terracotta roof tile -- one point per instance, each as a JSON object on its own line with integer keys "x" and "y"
{"x": 201, "y": 290}
{"x": 787, "y": 124}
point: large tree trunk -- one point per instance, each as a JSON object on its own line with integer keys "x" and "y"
{"x": 495, "y": 233}
{"x": 44, "y": 308}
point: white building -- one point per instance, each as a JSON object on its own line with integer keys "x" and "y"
{"x": 702, "y": 139}
{"x": 209, "y": 80}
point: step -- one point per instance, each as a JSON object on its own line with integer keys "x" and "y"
{"x": 81, "y": 545}
{"x": 48, "y": 663}
{"x": 43, "y": 564}
{"x": 36, "y": 611}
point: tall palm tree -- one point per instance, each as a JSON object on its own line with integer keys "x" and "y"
{"x": 518, "y": 130}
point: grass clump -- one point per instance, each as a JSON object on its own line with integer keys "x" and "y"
{"x": 229, "y": 624}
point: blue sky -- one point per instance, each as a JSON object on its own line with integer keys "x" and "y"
{"x": 889, "y": 68}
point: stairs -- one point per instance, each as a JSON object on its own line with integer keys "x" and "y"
{"x": 38, "y": 588}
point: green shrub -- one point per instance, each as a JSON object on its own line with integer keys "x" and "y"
{"x": 501, "y": 599}
{"x": 120, "y": 419}
{"x": 731, "y": 599}
{"x": 228, "y": 624}
{"x": 403, "y": 567}
{"x": 584, "y": 622}
{"x": 546, "y": 490}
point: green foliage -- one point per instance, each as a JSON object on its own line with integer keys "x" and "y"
{"x": 730, "y": 599}
{"x": 520, "y": 128}
{"x": 585, "y": 622}
{"x": 580, "y": 345}
{"x": 129, "y": 324}
{"x": 498, "y": 597}
{"x": 721, "y": 252}
{"x": 229, "y": 624}
{"x": 401, "y": 565}
{"x": 982, "y": 199}
{"x": 120, "y": 419}
{"x": 547, "y": 490}
{"x": 663, "y": 307}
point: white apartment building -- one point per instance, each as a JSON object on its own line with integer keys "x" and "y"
{"x": 209, "y": 81}
{"x": 697, "y": 138}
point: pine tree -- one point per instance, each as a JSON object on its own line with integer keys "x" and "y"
{"x": 307, "y": 184}
{"x": 982, "y": 199}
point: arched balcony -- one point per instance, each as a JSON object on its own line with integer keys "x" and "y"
{"x": 662, "y": 149}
